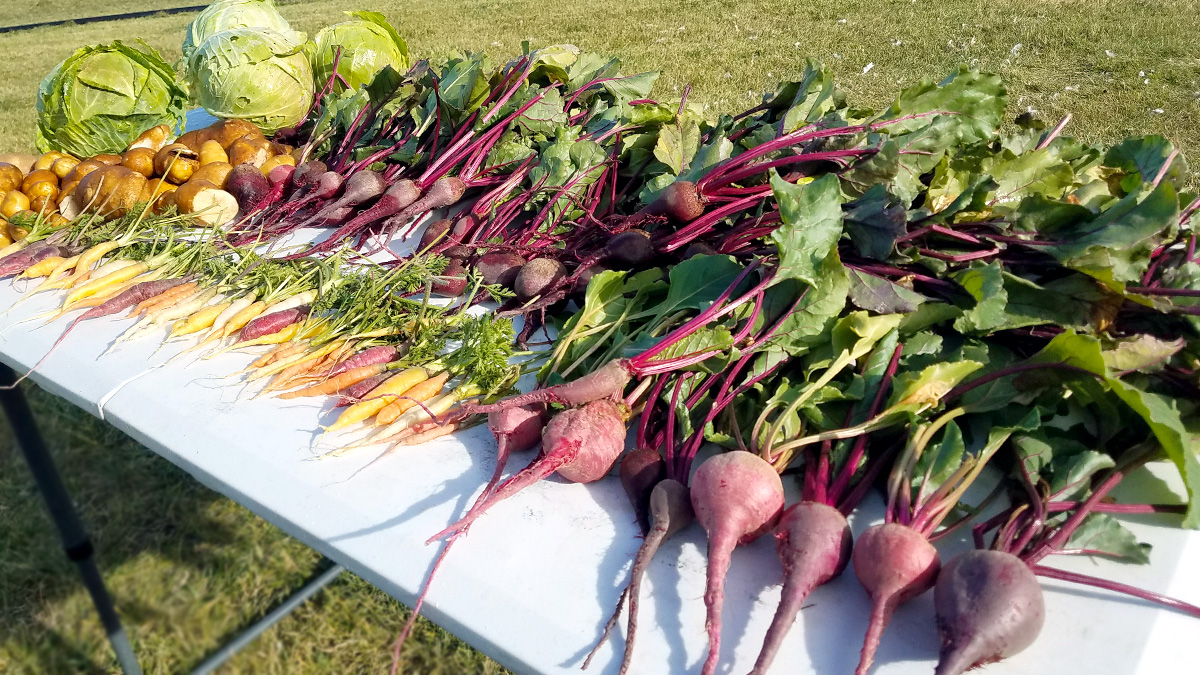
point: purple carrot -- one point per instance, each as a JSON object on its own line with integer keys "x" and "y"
{"x": 359, "y": 390}
{"x": 367, "y": 357}
{"x": 272, "y": 323}
{"x": 28, "y": 257}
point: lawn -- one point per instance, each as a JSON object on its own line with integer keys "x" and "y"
{"x": 188, "y": 567}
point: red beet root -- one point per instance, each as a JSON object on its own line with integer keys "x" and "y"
{"x": 814, "y": 543}
{"x": 640, "y": 471}
{"x": 895, "y": 564}
{"x": 537, "y": 277}
{"x": 737, "y": 497}
{"x": 499, "y": 267}
{"x": 606, "y": 382}
{"x": 989, "y": 607}
{"x": 580, "y": 444}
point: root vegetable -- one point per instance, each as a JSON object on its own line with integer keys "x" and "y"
{"x": 895, "y": 564}
{"x": 629, "y": 249}
{"x": 814, "y": 543}
{"x": 537, "y": 277}
{"x": 989, "y": 607}
{"x": 248, "y": 186}
{"x": 607, "y": 381}
{"x": 580, "y": 444}
{"x": 274, "y": 322}
{"x": 640, "y": 471}
{"x": 737, "y": 497}
{"x": 500, "y": 267}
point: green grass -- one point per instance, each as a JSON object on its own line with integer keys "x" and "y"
{"x": 188, "y": 567}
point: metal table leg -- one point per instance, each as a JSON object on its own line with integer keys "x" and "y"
{"x": 75, "y": 539}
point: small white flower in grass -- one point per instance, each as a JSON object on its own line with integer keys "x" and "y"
{"x": 1141, "y": 73}
{"x": 497, "y": 43}
{"x": 727, "y": 75}
{"x": 868, "y": 68}
{"x": 1016, "y": 49}
{"x": 1031, "y": 110}
{"x": 683, "y": 28}
{"x": 897, "y": 43}
{"x": 1109, "y": 53}
{"x": 841, "y": 21}
{"x": 770, "y": 74}
{"x": 1146, "y": 81}
{"x": 1071, "y": 87}
{"x": 797, "y": 44}
{"x": 837, "y": 56}
{"x": 1158, "y": 111}
{"x": 752, "y": 37}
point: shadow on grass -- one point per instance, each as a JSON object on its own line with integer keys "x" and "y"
{"x": 130, "y": 501}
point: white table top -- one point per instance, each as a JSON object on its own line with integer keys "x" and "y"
{"x": 535, "y": 580}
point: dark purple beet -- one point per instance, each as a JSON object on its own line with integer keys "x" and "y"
{"x": 640, "y": 471}
{"x": 249, "y": 187}
{"x": 461, "y": 252}
{"x": 698, "y": 248}
{"x": 682, "y": 201}
{"x": 989, "y": 607}
{"x": 629, "y": 249}
{"x": 500, "y": 267}
{"x": 584, "y": 277}
{"x": 538, "y": 276}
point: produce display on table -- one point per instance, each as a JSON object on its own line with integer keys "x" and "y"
{"x": 891, "y": 299}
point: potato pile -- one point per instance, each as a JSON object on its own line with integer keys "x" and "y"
{"x": 189, "y": 174}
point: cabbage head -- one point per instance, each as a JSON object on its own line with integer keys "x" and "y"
{"x": 253, "y": 74}
{"x": 224, "y": 15}
{"x": 102, "y": 97}
{"x": 368, "y": 45}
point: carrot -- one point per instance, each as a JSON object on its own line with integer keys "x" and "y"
{"x": 43, "y": 268}
{"x": 338, "y": 382}
{"x": 171, "y": 294}
{"x": 299, "y": 367}
{"x": 198, "y": 321}
{"x": 117, "y": 276}
{"x": 237, "y": 321}
{"x": 421, "y": 392}
{"x": 279, "y": 337}
{"x": 381, "y": 396}
{"x": 281, "y": 352}
{"x": 299, "y": 356}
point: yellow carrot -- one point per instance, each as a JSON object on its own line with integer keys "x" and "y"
{"x": 62, "y": 269}
{"x": 309, "y": 371}
{"x": 421, "y": 392}
{"x": 198, "y": 321}
{"x": 283, "y": 351}
{"x": 237, "y": 321}
{"x": 12, "y": 248}
{"x": 42, "y": 268}
{"x": 298, "y": 357}
{"x": 381, "y": 396}
{"x": 280, "y": 337}
{"x": 339, "y": 382}
{"x": 96, "y": 285}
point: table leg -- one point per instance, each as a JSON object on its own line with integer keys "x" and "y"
{"x": 75, "y": 539}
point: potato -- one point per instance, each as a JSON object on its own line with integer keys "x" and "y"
{"x": 212, "y": 152}
{"x": 215, "y": 173}
{"x": 14, "y": 202}
{"x": 152, "y": 139}
{"x": 21, "y": 161}
{"x": 47, "y": 160}
{"x": 108, "y": 159}
{"x": 38, "y": 176}
{"x": 226, "y": 132}
{"x": 57, "y": 220}
{"x": 42, "y": 192}
{"x": 194, "y": 139}
{"x": 210, "y": 204}
{"x": 10, "y": 177}
{"x": 277, "y": 160}
{"x": 82, "y": 169}
{"x": 282, "y": 148}
{"x": 63, "y": 166}
{"x": 176, "y": 162}
{"x": 18, "y": 232}
{"x": 140, "y": 160}
{"x": 111, "y": 191}
{"x": 164, "y": 200}
{"x": 250, "y": 150}
{"x": 5, "y": 240}
{"x": 69, "y": 206}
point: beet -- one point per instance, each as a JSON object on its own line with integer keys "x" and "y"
{"x": 249, "y": 187}
{"x": 895, "y": 564}
{"x": 500, "y": 267}
{"x": 814, "y": 543}
{"x": 640, "y": 471}
{"x": 608, "y": 381}
{"x": 435, "y": 233}
{"x": 737, "y": 497}
{"x": 682, "y": 201}
{"x": 698, "y": 248}
{"x": 629, "y": 249}
{"x": 452, "y": 282}
{"x": 584, "y": 276}
{"x": 537, "y": 277}
{"x": 989, "y": 607}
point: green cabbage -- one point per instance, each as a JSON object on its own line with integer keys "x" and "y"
{"x": 368, "y": 45}
{"x": 224, "y": 15}
{"x": 253, "y": 74}
{"x": 102, "y": 97}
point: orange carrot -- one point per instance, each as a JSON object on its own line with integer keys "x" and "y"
{"x": 422, "y": 391}
{"x": 163, "y": 298}
{"x": 298, "y": 371}
{"x": 281, "y": 352}
{"x": 335, "y": 384}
